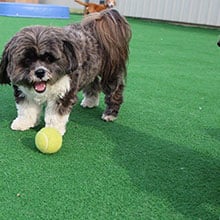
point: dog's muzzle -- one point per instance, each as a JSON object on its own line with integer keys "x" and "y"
{"x": 40, "y": 86}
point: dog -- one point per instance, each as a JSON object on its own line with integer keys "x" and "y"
{"x": 48, "y": 66}
{"x": 92, "y": 7}
{"x": 218, "y": 43}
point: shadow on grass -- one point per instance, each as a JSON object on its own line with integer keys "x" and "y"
{"x": 214, "y": 133}
{"x": 29, "y": 143}
{"x": 186, "y": 178}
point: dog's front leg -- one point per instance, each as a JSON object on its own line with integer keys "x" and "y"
{"x": 28, "y": 114}
{"x": 58, "y": 111}
{"x": 54, "y": 118}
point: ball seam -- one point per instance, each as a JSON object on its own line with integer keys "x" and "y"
{"x": 47, "y": 142}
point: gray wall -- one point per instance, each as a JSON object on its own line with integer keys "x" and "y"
{"x": 205, "y": 12}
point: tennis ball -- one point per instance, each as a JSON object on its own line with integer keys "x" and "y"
{"x": 48, "y": 140}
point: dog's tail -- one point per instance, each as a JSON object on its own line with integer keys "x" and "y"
{"x": 114, "y": 34}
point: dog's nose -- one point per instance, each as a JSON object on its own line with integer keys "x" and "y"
{"x": 40, "y": 73}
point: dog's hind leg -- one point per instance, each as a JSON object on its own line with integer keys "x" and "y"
{"x": 113, "y": 98}
{"x": 91, "y": 94}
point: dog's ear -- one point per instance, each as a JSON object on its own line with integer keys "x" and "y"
{"x": 4, "y": 79}
{"x": 70, "y": 53}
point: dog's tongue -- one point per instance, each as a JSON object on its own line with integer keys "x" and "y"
{"x": 40, "y": 86}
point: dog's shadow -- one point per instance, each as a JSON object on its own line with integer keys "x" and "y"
{"x": 214, "y": 133}
{"x": 186, "y": 178}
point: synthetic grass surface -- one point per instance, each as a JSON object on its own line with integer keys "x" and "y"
{"x": 159, "y": 160}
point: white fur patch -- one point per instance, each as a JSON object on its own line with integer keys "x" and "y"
{"x": 28, "y": 111}
{"x": 54, "y": 119}
{"x": 108, "y": 117}
{"x": 58, "y": 89}
{"x": 90, "y": 102}
{"x": 28, "y": 114}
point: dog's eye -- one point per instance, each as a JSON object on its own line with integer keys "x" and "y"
{"x": 48, "y": 58}
{"x": 29, "y": 57}
{"x": 27, "y": 61}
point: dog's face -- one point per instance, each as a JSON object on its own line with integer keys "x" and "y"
{"x": 37, "y": 56}
{"x": 110, "y": 3}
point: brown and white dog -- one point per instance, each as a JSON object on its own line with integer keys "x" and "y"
{"x": 48, "y": 66}
{"x": 92, "y": 7}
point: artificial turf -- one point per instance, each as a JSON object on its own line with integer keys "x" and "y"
{"x": 159, "y": 160}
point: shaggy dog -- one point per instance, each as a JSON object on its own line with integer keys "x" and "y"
{"x": 50, "y": 65}
{"x": 92, "y": 7}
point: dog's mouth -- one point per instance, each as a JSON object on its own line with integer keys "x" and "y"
{"x": 40, "y": 87}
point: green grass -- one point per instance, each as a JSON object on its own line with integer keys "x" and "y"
{"x": 159, "y": 160}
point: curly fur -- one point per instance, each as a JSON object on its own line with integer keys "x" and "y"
{"x": 50, "y": 65}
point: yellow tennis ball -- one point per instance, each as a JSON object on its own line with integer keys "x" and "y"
{"x": 48, "y": 140}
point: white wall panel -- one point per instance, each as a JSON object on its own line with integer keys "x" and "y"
{"x": 205, "y": 12}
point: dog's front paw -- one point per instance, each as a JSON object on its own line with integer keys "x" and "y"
{"x": 21, "y": 124}
{"x": 108, "y": 117}
{"x": 57, "y": 121}
{"x": 61, "y": 129}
